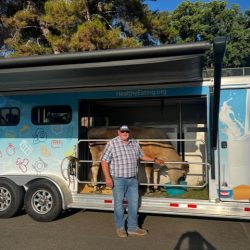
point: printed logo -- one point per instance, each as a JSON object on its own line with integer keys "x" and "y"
{"x": 22, "y": 164}
{"x": 25, "y": 147}
{"x": 10, "y": 134}
{"x": 39, "y": 136}
{"x": 57, "y": 129}
{"x": 10, "y": 150}
{"x": 24, "y": 129}
{"x": 44, "y": 151}
{"x": 40, "y": 165}
{"x": 56, "y": 144}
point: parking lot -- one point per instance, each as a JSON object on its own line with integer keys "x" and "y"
{"x": 79, "y": 229}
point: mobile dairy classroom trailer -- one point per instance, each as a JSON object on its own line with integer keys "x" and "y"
{"x": 48, "y": 103}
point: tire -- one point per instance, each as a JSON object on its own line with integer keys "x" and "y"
{"x": 11, "y": 198}
{"x": 43, "y": 201}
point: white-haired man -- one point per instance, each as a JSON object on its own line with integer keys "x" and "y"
{"x": 120, "y": 162}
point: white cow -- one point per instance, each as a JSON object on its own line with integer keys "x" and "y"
{"x": 162, "y": 150}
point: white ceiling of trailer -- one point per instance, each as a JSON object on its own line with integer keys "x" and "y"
{"x": 99, "y": 69}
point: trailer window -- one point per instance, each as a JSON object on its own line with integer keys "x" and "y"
{"x": 60, "y": 114}
{"x": 9, "y": 116}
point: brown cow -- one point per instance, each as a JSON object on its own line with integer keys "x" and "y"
{"x": 162, "y": 150}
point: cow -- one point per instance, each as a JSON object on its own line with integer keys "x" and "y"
{"x": 163, "y": 150}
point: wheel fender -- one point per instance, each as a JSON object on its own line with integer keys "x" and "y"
{"x": 61, "y": 184}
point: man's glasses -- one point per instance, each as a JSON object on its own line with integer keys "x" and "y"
{"x": 124, "y": 132}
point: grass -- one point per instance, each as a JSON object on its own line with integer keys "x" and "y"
{"x": 192, "y": 193}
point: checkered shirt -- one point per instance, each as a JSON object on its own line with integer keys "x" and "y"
{"x": 123, "y": 159}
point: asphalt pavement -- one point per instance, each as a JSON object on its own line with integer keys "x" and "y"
{"x": 92, "y": 230}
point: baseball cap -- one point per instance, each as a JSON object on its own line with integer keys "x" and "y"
{"x": 124, "y": 128}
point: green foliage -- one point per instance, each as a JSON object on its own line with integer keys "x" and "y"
{"x": 94, "y": 35}
{"x": 24, "y": 33}
{"x": 28, "y": 49}
{"x": 64, "y": 16}
{"x": 204, "y": 21}
{"x": 161, "y": 27}
{"x": 57, "y": 26}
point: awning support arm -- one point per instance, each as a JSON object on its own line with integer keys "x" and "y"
{"x": 219, "y": 50}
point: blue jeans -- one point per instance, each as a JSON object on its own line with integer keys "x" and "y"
{"x": 126, "y": 188}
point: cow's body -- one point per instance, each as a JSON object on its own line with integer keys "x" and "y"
{"x": 162, "y": 150}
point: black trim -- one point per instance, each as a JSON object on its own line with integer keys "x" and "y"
{"x": 50, "y": 116}
{"x": 10, "y": 119}
{"x": 219, "y": 50}
{"x": 106, "y": 55}
{"x": 134, "y": 72}
{"x": 168, "y": 64}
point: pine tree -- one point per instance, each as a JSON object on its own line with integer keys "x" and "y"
{"x": 60, "y": 26}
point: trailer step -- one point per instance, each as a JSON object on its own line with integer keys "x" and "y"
{"x": 172, "y": 206}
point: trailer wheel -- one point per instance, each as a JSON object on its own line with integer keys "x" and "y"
{"x": 11, "y": 198}
{"x": 43, "y": 201}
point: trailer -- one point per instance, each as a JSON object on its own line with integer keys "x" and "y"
{"x": 48, "y": 103}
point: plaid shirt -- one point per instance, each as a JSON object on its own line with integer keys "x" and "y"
{"x": 123, "y": 159}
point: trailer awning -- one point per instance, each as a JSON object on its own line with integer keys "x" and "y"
{"x": 161, "y": 65}
{"x": 180, "y": 63}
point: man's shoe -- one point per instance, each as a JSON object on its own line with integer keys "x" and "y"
{"x": 138, "y": 232}
{"x": 121, "y": 233}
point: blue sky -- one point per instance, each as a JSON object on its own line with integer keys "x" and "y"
{"x": 170, "y": 5}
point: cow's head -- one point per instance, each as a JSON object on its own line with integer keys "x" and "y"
{"x": 184, "y": 170}
{"x": 177, "y": 172}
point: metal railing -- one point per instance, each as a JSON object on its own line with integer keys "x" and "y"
{"x": 226, "y": 72}
{"x": 203, "y": 164}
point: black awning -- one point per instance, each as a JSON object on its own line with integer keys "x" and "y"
{"x": 180, "y": 63}
{"x": 177, "y": 69}
{"x": 168, "y": 64}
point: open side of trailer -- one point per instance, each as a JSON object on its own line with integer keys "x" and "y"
{"x": 49, "y": 103}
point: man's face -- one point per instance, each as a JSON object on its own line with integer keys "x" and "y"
{"x": 124, "y": 135}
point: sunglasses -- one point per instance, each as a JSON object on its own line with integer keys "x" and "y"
{"x": 124, "y": 132}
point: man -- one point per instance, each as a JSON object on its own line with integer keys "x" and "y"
{"x": 120, "y": 162}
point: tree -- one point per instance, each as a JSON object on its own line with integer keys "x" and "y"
{"x": 56, "y": 26}
{"x": 82, "y": 25}
{"x": 204, "y": 21}
{"x": 60, "y": 26}
{"x": 22, "y": 28}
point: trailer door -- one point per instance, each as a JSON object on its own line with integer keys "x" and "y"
{"x": 234, "y": 144}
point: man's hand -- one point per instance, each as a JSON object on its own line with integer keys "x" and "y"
{"x": 109, "y": 182}
{"x": 105, "y": 169}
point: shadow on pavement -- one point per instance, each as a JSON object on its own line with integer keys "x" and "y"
{"x": 69, "y": 212}
{"x": 194, "y": 240}
{"x": 141, "y": 219}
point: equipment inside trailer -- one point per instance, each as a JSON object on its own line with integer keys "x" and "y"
{"x": 183, "y": 120}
